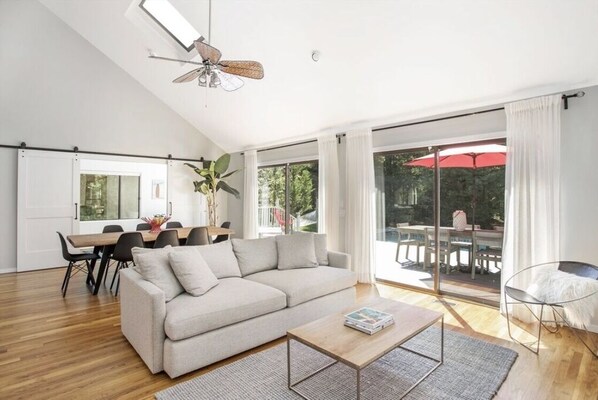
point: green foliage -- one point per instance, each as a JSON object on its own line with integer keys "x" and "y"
{"x": 303, "y": 184}
{"x": 213, "y": 177}
{"x": 409, "y": 192}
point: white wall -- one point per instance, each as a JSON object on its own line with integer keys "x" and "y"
{"x": 57, "y": 90}
{"x": 579, "y": 182}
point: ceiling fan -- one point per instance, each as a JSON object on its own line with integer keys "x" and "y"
{"x": 214, "y": 72}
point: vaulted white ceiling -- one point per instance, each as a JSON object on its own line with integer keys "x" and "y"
{"x": 381, "y": 61}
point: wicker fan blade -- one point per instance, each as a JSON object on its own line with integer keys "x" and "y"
{"x": 248, "y": 69}
{"x": 228, "y": 82}
{"x": 208, "y": 52}
{"x": 189, "y": 76}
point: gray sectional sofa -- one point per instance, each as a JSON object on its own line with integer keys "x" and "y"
{"x": 256, "y": 300}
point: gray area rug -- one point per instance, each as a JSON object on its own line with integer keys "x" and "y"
{"x": 472, "y": 369}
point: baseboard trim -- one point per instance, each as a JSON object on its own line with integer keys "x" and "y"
{"x": 7, "y": 270}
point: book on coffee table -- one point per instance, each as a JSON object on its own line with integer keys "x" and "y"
{"x": 366, "y": 330}
{"x": 368, "y": 318}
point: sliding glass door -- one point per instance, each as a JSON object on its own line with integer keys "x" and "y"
{"x": 464, "y": 216}
{"x": 288, "y": 198}
{"x": 404, "y": 219}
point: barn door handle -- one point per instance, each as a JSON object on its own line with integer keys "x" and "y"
{"x": 76, "y": 210}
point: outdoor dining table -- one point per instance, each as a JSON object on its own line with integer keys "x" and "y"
{"x": 100, "y": 241}
{"x": 453, "y": 233}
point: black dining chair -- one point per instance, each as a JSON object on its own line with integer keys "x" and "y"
{"x": 76, "y": 260}
{"x": 198, "y": 237}
{"x": 122, "y": 254}
{"x": 222, "y": 238}
{"x": 173, "y": 225}
{"x": 110, "y": 249}
{"x": 165, "y": 238}
{"x": 143, "y": 227}
{"x": 112, "y": 228}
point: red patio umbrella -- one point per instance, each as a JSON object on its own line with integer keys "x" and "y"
{"x": 471, "y": 157}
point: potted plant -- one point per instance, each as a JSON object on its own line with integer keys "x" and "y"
{"x": 212, "y": 180}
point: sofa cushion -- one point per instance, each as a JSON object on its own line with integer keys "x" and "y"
{"x": 296, "y": 251}
{"x": 192, "y": 271}
{"x": 154, "y": 266}
{"x": 255, "y": 255}
{"x": 220, "y": 258}
{"x": 233, "y": 300}
{"x": 304, "y": 284}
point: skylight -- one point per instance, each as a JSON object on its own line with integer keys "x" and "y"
{"x": 165, "y": 15}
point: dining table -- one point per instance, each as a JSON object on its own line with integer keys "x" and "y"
{"x": 463, "y": 237}
{"x": 102, "y": 242}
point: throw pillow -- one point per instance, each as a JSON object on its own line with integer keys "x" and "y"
{"x": 321, "y": 246}
{"x": 296, "y": 251}
{"x": 255, "y": 255}
{"x": 136, "y": 251}
{"x": 154, "y": 266}
{"x": 220, "y": 258}
{"x": 192, "y": 271}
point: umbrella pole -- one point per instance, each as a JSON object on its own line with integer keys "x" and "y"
{"x": 475, "y": 192}
{"x": 474, "y": 200}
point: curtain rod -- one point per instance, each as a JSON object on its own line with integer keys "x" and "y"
{"x": 565, "y": 98}
{"x": 23, "y": 146}
{"x": 383, "y": 128}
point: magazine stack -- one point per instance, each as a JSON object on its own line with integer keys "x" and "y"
{"x": 368, "y": 320}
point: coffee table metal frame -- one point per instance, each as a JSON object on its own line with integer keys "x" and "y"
{"x": 292, "y": 386}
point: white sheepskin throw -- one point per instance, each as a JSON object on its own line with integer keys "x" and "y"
{"x": 553, "y": 286}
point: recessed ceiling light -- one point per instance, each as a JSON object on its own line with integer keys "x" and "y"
{"x": 315, "y": 55}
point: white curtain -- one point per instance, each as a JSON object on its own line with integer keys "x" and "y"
{"x": 532, "y": 187}
{"x": 250, "y": 196}
{"x": 360, "y": 202}
{"x": 328, "y": 190}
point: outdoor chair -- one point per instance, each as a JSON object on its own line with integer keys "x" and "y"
{"x": 409, "y": 238}
{"x": 77, "y": 261}
{"x": 548, "y": 285}
{"x": 198, "y": 237}
{"x": 445, "y": 247}
{"x": 487, "y": 248}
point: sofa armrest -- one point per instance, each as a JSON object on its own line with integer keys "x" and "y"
{"x": 142, "y": 315}
{"x": 339, "y": 260}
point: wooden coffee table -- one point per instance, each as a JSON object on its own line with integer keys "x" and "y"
{"x": 357, "y": 350}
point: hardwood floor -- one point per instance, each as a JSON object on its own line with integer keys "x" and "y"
{"x": 72, "y": 348}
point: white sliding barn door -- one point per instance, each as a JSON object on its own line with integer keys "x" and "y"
{"x": 47, "y": 202}
{"x": 184, "y": 204}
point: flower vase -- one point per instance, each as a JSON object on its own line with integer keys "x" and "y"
{"x": 155, "y": 228}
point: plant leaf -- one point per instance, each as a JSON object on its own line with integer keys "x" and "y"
{"x": 196, "y": 169}
{"x": 229, "y": 174}
{"x": 224, "y": 186}
{"x": 198, "y": 184}
{"x": 222, "y": 163}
